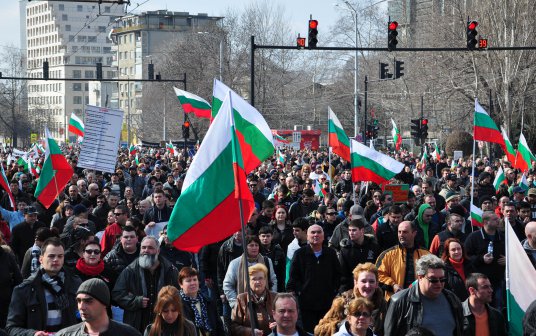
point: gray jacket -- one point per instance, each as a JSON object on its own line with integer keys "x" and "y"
{"x": 114, "y": 329}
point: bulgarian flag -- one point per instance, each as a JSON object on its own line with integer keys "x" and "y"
{"x": 485, "y": 128}
{"x": 510, "y": 152}
{"x": 23, "y": 161}
{"x": 338, "y": 140}
{"x": 137, "y": 159}
{"x": 396, "y": 136}
{"x": 321, "y": 192}
{"x": 424, "y": 158}
{"x": 76, "y": 126}
{"x": 520, "y": 282}
{"x": 476, "y": 216}
{"x": 524, "y": 184}
{"x": 132, "y": 150}
{"x": 523, "y": 154}
{"x": 55, "y": 174}
{"x": 370, "y": 165}
{"x": 280, "y": 157}
{"x": 279, "y": 140}
{"x": 436, "y": 153}
{"x": 216, "y": 180}
{"x": 4, "y": 183}
{"x": 170, "y": 148}
{"x": 253, "y": 131}
{"x": 499, "y": 179}
{"x": 193, "y": 104}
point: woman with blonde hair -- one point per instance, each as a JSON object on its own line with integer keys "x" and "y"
{"x": 359, "y": 319}
{"x": 169, "y": 319}
{"x": 333, "y": 319}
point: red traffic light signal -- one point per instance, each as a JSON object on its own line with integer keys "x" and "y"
{"x": 392, "y": 35}
{"x": 472, "y": 25}
{"x": 186, "y": 124}
{"x": 471, "y": 35}
{"x": 313, "y": 33}
{"x": 393, "y": 25}
{"x": 313, "y": 24}
{"x": 424, "y": 122}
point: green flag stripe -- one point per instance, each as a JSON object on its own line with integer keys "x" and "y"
{"x": 378, "y": 169}
{"x": 343, "y": 138}
{"x": 483, "y": 120}
{"x": 194, "y": 103}
{"x": 515, "y": 315}
{"x": 76, "y": 124}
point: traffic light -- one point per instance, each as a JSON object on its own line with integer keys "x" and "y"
{"x": 99, "y": 71}
{"x": 416, "y": 129}
{"x": 186, "y": 129}
{"x": 424, "y": 129}
{"x": 313, "y": 33}
{"x": 391, "y": 35}
{"x": 375, "y": 131}
{"x": 384, "y": 71}
{"x": 471, "y": 35}
{"x": 45, "y": 70}
{"x": 300, "y": 42}
{"x": 399, "y": 67}
{"x": 369, "y": 132}
{"x": 150, "y": 71}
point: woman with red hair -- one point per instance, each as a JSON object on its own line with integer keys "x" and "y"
{"x": 458, "y": 267}
{"x": 169, "y": 320}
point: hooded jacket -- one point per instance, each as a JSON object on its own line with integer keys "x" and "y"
{"x": 425, "y": 232}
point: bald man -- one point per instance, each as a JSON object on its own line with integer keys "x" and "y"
{"x": 529, "y": 244}
{"x": 314, "y": 277}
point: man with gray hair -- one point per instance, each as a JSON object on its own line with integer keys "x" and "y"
{"x": 137, "y": 287}
{"x": 421, "y": 304}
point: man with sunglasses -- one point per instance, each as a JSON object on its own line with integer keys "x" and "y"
{"x": 421, "y": 304}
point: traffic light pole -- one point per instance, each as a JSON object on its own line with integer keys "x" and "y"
{"x": 365, "y": 112}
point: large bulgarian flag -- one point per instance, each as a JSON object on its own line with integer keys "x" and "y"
{"x": 4, "y": 183}
{"x": 55, "y": 174}
{"x": 520, "y": 282}
{"x": 523, "y": 154}
{"x": 485, "y": 129}
{"x": 397, "y": 138}
{"x": 76, "y": 125}
{"x": 510, "y": 152}
{"x": 253, "y": 131}
{"x": 208, "y": 208}
{"x": 370, "y": 165}
{"x": 338, "y": 140}
{"x": 194, "y": 104}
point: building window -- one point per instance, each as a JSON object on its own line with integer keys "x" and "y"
{"x": 64, "y": 17}
{"x": 102, "y": 29}
{"x": 81, "y": 38}
{"x": 67, "y": 27}
{"x": 77, "y": 86}
{"x": 77, "y": 73}
{"x": 88, "y": 74}
{"x": 77, "y": 100}
{"x": 61, "y": 7}
{"x": 71, "y": 38}
{"x": 79, "y": 8}
{"x": 92, "y": 39}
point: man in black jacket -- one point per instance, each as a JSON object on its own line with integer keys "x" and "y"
{"x": 159, "y": 212}
{"x": 314, "y": 277}
{"x": 273, "y": 251}
{"x": 46, "y": 301}
{"x": 407, "y": 307}
{"x": 480, "y": 296}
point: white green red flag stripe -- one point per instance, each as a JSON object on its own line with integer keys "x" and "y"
{"x": 510, "y": 152}
{"x": 4, "y": 183}
{"x": 132, "y": 150}
{"x": 321, "y": 192}
{"x": 499, "y": 179}
{"x": 484, "y": 128}
{"x": 370, "y": 165}
{"x": 170, "y": 148}
{"x": 55, "y": 174}
{"x": 524, "y": 183}
{"x": 476, "y": 216}
{"x": 523, "y": 154}
{"x": 137, "y": 159}
{"x": 76, "y": 125}
{"x": 520, "y": 282}
{"x": 279, "y": 140}
{"x": 424, "y": 158}
{"x": 397, "y": 138}
{"x": 217, "y": 176}
{"x": 436, "y": 153}
{"x": 338, "y": 140}
{"x": 280, "y": 157}
{"x": 194, "y": 104}
{"x": 256, "y": 138}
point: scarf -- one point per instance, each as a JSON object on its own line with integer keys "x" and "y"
{"x": 91, "y": 270}
{"x": 55, "y": 286}
{"x": 242, "y": 278}
{"x": 35, "y": 264}
{"x": 458, "y": 267}
{"x": 200, "y": 318}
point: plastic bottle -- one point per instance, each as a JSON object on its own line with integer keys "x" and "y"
{"x": 490, "y": 248}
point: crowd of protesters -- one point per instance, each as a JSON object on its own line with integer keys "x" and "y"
{"x": 323, "y": 255}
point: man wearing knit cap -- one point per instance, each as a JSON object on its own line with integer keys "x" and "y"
{"x": 93, "y": 297}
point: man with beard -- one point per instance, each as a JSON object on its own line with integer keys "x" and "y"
{"x": 136, "y": 289}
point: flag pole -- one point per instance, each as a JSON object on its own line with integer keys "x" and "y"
{"x": 472, "y": 164}
{"x": 507, "y": 277}
{"x": 238, "y": 194}
{"x": 329, "y": 160}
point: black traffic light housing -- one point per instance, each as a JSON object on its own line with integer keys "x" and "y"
{"x": 472, "y": 41}
{"x": 399, "y": 68}
{"x": 424, "y": 129}
{"x": 384, "y": 71}
{"x": 313, "y": 33}
{"x": 186, "y": 129}
{"x": 99, "y": 71}
{"x": 392, "y": 34}
{"x": 416, "y": 130}
{"x": 45, "y": 70}
{"x": 150, "y": 71}
{"x": 375, "y": 131}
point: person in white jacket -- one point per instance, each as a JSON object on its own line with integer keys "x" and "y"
{"x": 235, "y": 279}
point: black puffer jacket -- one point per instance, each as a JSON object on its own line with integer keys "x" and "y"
{"x": 405, "y": 312}
{"x": 455, "y": 282}
{"x": 496, "y": 324}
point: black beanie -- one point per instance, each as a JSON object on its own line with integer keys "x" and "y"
{"x": 97, "y": 289}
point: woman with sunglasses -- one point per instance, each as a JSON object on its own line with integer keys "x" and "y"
{"x": 358, "y": 320}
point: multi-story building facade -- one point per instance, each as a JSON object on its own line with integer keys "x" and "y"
{"x": 139, "y": 40}
{"x": 72, "y": 37}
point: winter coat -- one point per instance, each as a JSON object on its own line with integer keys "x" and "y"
{"x": 496, "y": 324}
{"x": 352, "y": 254}
{"x": 455, "y": 282}
{"x": 476, "y": 246}
{"x": 228, "y": 251}
{"x": 212, "y": 312}
{"x": 240, "y": 322}
{"x": 114, "y": 329}
{"x": 117, "y": 260}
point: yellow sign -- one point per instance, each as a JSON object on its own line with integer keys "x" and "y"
{"x": 33, "y": 137}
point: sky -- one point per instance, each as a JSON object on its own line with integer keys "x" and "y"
{"x": 297, "y": 11}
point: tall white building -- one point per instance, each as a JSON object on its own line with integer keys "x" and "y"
{"x": 72, "y": 37}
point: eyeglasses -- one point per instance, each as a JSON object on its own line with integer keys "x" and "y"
{"x": 434, "y": 281}
{"x": 359, "y": 314}
{"x": 118, "y": 213}
{"x": 96, "y": 252}
{"x": 331, "y": 213}
{"x": 252, "y": 185}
